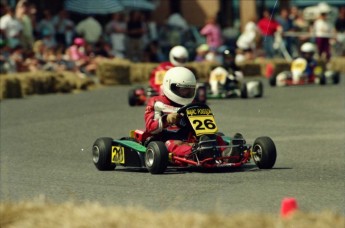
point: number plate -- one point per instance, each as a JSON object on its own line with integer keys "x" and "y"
{"x": 159, "y": 77}
{"x": 117, "y": 155}
{"x": 202, "y": 121}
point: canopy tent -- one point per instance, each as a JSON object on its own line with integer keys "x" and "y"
{"x": 138, "y": 5}
{"x": 94, "y": 6}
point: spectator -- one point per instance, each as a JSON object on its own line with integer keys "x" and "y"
{"x": 286, "y": 25}
{"x": 267, "y": 27}
{"x": 46, "y": 25}
{"x": 298, "y": 25}
{"x": 323, "y": 30}
{"x": 10, "y": 28}
{"x": 201, "y": 53}
{"x": 64, "y": 28}
{"x": 117, "y": 30}
{"x": 90, "y": 29}
{"x": 48, "y": 39}
{"x": 340, "y": 28}
{"x": 213, "y": 33}
{"x": 152, "y": 53}
{"x": 22, "y": 14}
{"x": 135, "y": 32}
{"x": 246, "y": 41}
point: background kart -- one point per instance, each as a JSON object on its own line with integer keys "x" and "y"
{"x": 224, "y": 84}
{"x": 199, "y": 126}
{"x": 297, "y": 75}
{"x": 138, "y": 96}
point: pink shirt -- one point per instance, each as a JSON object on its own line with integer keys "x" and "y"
{"x": 213, "y": 35}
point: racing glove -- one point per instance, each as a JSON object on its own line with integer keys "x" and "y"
{"x": 173, "y": 118}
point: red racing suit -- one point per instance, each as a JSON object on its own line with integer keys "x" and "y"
{"x": 157, "y": 75}
{"x": 156, "y": 112}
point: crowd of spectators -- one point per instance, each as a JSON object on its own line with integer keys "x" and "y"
{"x": 56, "y": 42}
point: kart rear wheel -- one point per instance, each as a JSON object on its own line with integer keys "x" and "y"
{"x": 260, "y": 89}
{"x": 244, "y": 92}
{"x": 156, "y": 157}
{"x": 264, "y": 152}
{"x": 132, "y": 98}
{"x": 101, "y": 154}
{"x": 273, "y": 80}
{"x": 336, "y": 78}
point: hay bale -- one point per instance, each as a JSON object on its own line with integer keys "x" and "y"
{"x": 113, "y": 72}
{"x": 140, "y": 72}
{"x": 10, "y": 87}
{"x": 337, "y": 64}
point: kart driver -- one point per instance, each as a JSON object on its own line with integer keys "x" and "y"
{"x": 161, "y": 117}
{"x": 226, "y": 74}
{"x": 178, "y": 56}
{"x": 307, "y": 51}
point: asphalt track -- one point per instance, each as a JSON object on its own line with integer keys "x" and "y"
{"x": 46, "y": 150}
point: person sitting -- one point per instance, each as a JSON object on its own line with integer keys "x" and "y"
{"x": 178, "y": 56}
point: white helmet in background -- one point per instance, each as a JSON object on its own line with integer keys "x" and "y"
{"x": 308, "y": 48}
{"x": 178, "y": 55}
{"x": 179, "y": 85}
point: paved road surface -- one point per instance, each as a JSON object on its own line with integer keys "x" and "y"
{"x": 46, "y": 150}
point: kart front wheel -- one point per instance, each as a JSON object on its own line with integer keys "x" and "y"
{"x": 132, "y": 98}
{"x": 101, "y": 154}
{"x": 264, "y": 152}
{"x": 244, "y": 91}
{"x": 156, "y": 157}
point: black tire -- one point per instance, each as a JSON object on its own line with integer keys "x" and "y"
{"x": 132, "y": 98}
{"x": 273, "y": 80}
{"x": 101, "y": 154}
{"x": 323, "y": 79}
{"x": 156, "y": 157}
{"x": 264, "y": 152}
{"x": 244, "y": 92}
{"x": 336, "y": 78}
{"x": 261, "y": 89}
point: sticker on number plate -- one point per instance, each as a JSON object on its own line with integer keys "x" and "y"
{"x": 202, "y": 121}
{"x": 117, "y": 155}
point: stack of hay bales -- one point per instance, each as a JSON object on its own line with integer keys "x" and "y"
{"x": 114, "y": 72}
{"x": 43, "y": 82}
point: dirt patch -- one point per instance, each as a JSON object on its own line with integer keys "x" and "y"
{"x": 40, "y": 213}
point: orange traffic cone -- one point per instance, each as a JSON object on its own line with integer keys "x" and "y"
{"x": 288, "y": 206}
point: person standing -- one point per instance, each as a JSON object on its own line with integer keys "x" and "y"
{"x": 90, "y": 29}
{"x": 10, "y": 28}
{"x": 267, "y": 27}
{"x": 117, "y": 29}
{"x": 135, "y": 32}
{"x": 323, "y": 30}
{"x": 213, "y": 33}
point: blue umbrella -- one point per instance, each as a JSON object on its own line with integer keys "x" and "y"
{"x": 94, "y": 6}
{"x": 138, "y": 5}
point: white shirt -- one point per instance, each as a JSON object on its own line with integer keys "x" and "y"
{"x": 323, "y": 28}
{"x": 10, "y": 25}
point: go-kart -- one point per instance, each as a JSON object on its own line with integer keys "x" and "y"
{"x": 198, "y": 127}
{"x": 138, "y": 96}
{"x": 224, "y": 84}
{"x": 298, "y": 76}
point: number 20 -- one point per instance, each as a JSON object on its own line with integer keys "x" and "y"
{"x": 208, "y": 123}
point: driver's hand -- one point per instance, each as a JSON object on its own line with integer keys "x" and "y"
{"x": 173, "y": 118}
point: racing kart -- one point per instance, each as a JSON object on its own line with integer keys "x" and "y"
{"x": 199, "y": 126}
{"x": 297, "y": 75}
{"x": 224, "y": 84}
{"x": 138, "y": 96}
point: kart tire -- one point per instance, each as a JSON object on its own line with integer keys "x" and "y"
{"x": 244, "y": 92}
{"x": 336, "y": 78}
{"x": 132, "y": 98}
{"x": 273, "y": 80}
{"x": 156, "y": 157}
{"x": 101, "y": 154}
{"x": 260, "y": 89}
{"x": 264, "y": 152}
{"x": 323, "y": 79}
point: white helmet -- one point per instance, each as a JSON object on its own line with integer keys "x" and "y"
{"x": 179, "y": 85}
{"x": 308, "y": 47}
{"x": 178, "y": 55}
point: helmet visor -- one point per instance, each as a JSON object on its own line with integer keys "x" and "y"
{"x": 180, "y": 59}
{"x": 184, "y": 91}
